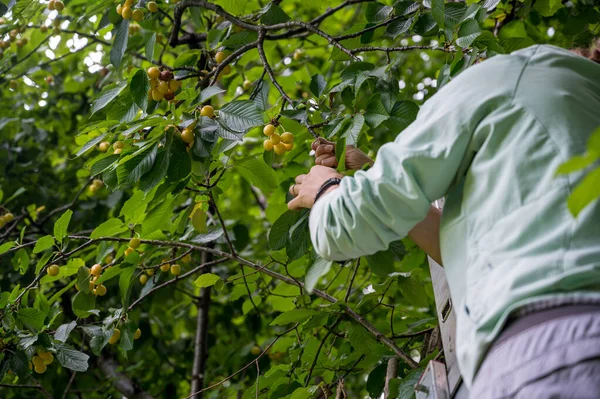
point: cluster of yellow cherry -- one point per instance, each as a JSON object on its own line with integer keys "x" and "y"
{"x": 117, "y": 335}
{"x": 165, "y": 267}
{"x": 117, "y": 147}
{"x": 41, "y": 361}
{"x": 162, "y": 84}
{"x": 125, "y": 11}
{"x": 56, "y": 5}
{"x": 96, "y": 185}
{"x": 95, "y": 273}
{"x": 278, "y": 143}
{"x": 6, "y": 218}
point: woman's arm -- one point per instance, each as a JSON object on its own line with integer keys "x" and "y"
{"x": 426, "y": 234}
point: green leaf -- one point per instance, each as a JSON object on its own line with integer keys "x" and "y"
{"x": 43, "y": 243}
{"x": 6, "y": 246}
{"x": 139, "y": 87}
{"x": 72, "y": 359}
{"x": 206, "y": 280}
{"x": 134, "y": 168}
{"x": 437, "y": 10}
{"x": 279, "y": 233}
{"x": 32, "y": 318}
{"x": 63, "y": 331}
{"x": 317, "y": 85}
{"x": 121, "y": 34}
{"x": 103, "y": 164}
{"x": 127, "y": 332}
{"x": 376, "y": 380}
{"x": 198, "y": 217}
{"x": 319, "y": 268}
{"x": 377, "y": 12}
{"x": 125, "y": 284}
{"x": 241, "y": 115}
{"x": 577, "y": 163}
{"x": 547, "y": 8}
{"x": 21, "y": 261}
{"x": 61, "y": 225}
{"x": 294, "y": 316}
{"x": 123, "y": 109}
{"x": 134, "y": 209}
{"x": 403, "y": 114}
{"x": 362, "y": 340}
{"x": 257, "y": 173}
{"x": 406, "y": 390}
{"x": 108, "y": 94}
{"x": 187, "y": 58}
{"x": 91, "y": 143}
{"x": 376, "y": 113}
{"x": 112, "y": 227}
{"x": 352, "y": 134}
{"x": 398, "y": 27}
{"x": 381, "y": 263}
{"x": 160, "y": 167}
{"x": 109, "y": 273}
{"x": 240, "y": 39}
{"x": 149, "y": 49}
{"x": 299, "y": 238}
{"x": 83, "y": 303}
{"x": 209, "y": 92}
{"x": 274, "y": 15}
{"x": 159, "y": 218}
{"x": 180, "y": 164}
{"x": 468, "y": 32}
{"x": 585, "y": 193}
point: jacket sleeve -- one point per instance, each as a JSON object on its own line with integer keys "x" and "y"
{"x": 376, "y": 207}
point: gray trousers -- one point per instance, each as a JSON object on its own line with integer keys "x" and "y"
{"x": 559, "y": 358}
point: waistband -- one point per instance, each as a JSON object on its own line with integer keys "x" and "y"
{"x": 520, "y": 324}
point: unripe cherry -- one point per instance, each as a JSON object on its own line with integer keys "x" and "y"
{"x": 207, "y": 110}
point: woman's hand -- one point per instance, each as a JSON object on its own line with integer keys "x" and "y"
{"x": 308, "y": 185}
{"x": 325, "y": 155}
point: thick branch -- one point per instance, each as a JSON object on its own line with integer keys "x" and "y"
{"x": 350, "y": 312}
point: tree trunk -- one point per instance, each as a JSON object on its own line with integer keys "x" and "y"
{"x": 391, "y": 373}
{"x": 200, "y": 341}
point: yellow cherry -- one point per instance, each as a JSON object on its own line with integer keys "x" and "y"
{"x": 268, "y": 145}
{"x": 187, "y": 136}
{"x": 138, "y": 15}
{"x": 207, "y": 110}
{"x": 53, "y": 270}
{"x": 275, "y": 138}
{"x": 126, "y": 12}
{"x": 134, "y": 243}
{"x": 137, "y": 334}
{"x": 153, "y": 72}
{"x": 175, "y": 270}
{"x": 115, "y": 337}
{"x": 279, "y": 148}
{"x": 269, "y": 129}
{"x": 220, "y": 57}
{"x": 287, "y": 138}
{"x": 96, "y": 270}
{"x": 152, "y": 6}
{"x": 101, "y": 290}
{"x": 143, "y": 279}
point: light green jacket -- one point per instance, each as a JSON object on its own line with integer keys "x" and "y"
{"x": 490, "y": 142}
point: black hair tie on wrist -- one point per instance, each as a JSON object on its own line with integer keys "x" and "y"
{"x": 333, "y": 181}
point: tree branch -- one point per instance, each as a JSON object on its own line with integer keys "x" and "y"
{"x": 120, "y": 381}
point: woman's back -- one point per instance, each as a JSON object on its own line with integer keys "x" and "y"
{"x": 507, "y": 236}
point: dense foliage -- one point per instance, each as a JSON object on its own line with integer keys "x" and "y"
{"x": 222, "y": 283}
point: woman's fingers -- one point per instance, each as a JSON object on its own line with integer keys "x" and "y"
{"x": 300, "y": 179}
{"x": 330, "y": 162}
{"x": 319, "y": 142}
{"x": 324, "y": 149}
